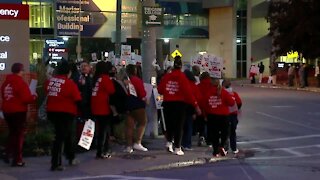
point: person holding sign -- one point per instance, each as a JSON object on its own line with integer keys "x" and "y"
{"x": 63, "y": 98}
{"x": 136, "y": 103}
{"x": 16, "y": 96}
{"x": 177, "y": 93}
{"x": 100, "y": 107}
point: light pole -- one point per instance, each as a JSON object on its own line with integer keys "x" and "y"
{"x": 79, "y": 35}
{"x": 118, "y": 29}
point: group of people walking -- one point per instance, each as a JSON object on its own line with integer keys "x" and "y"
{"x": 184, "y": 100}
{"x": 107, "y": 95}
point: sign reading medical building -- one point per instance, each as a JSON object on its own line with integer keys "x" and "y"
{"x": 14, "y": 36}
{"x": 152, "y": 16}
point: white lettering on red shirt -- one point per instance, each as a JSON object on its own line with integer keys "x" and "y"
{"x": 214, "y": 101}
{"x": 8, "y": 92}
{"x": 172, "y": 87}
{"x": 54, "y": 86}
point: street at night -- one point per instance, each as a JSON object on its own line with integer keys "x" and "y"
{"x": 278, "y": 138}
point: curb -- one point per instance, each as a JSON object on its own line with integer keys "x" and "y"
{"x": 307, "y": 89}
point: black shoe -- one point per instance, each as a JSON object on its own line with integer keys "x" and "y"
{"x": 103, "y": 156}
{"x": 57, "y": 168}
{"x": 73, "y": 162}
{"x": 18, "y": 164}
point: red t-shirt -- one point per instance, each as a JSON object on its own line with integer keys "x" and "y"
{"x": 62, "y": 94}
{"x": 214, "y": 104}
{"x": 138, "y": 86}
{"x": 100, "y": 96}
{"x": 175, "y": 86}
{"x": 15, "y": 94}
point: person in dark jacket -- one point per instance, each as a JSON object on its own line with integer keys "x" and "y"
{"x": 62, "y": 106}
{"x": 85, "y": 85}
{"x": 177, "y": 93}
{"x": 16, "y": 96}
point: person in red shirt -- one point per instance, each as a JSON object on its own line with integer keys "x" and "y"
{"x": 190, "y": 112}
{"x": 16, "y": 96}
{"x": 177, "y": 93}
{"x": 136, "y": 103}
{"x": 63, "y": 98}
{"x": 204, "y": 85}
{"x": 216, "y": 102}
{"x": 233, "y": 117}
{"x": 100, "y": 107}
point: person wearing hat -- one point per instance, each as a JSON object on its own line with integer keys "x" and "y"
{"x": 63, "y": 99}
{"x": 177, "y": 93}
{"x": 16, "y": 96}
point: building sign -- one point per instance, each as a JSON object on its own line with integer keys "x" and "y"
{"x": 55, "y": 50}
{"x": 14, "y": 38}
{"x": 97, "y": 18}
{"x": 152, "y": 16}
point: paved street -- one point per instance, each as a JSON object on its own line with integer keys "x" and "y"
{"x": 278, "y": 134}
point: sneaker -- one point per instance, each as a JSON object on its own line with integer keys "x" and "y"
{"x": 201, "y": 141}
{"x": 236, "y": 151}
{"x": 169, "y": 147}
{"x": 222, "y": 151}
{"x": 18, "y": 164}
{"x": 128, "y": 149}
{"x": 73, "y": 162}
{"x": 215, "y": 155}
{"x": 103, "y": 156}
{"x": 139, "y": 147}
{"x": 178, "y": 151}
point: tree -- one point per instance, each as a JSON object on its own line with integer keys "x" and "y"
{"x": 295, "y": 26}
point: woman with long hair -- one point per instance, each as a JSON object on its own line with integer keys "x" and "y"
{"x": 136, "y": 103}
{"x": 100, "y": 107}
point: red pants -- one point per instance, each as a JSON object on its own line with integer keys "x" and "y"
{"x": 17, "y": 128}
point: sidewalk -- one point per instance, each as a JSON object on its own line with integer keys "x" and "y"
{"x": 156, "y": 158}
{"x": 277, "y": 86}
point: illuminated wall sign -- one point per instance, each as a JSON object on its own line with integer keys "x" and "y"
{"x": 55, "y": 50}
{"x": 14, "y": 45}
{"x": 97, "y": 19}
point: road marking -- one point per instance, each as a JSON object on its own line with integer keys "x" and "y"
{"x": 284, "y": 120}
{"x": 282, "y": 106}
{"x": 280, "y": 139}
{"x": 296, "y": 153}
{"x": 116, "y": 177}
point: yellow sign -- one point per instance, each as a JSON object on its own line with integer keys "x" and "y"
{"x": 292, "y": 54}
{"x": 176, "y": 53}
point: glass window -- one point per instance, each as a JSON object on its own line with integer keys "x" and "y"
{"x": 41, "y": 14}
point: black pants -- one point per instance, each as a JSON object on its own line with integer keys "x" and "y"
{"x": 218, "y": 125}
{"x": 233, "y": 120}
{"x": 103, "y": 132}
{"x": 291, "y": 78}
{"x": 17, "y": 127}
{"x": 318, "y": 80}
{"x": 175, "y": 113}
{"x": 64, "y": 129}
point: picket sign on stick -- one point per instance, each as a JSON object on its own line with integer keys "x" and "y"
{"x": 87, "y": 134}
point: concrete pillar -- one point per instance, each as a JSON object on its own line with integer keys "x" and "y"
{"x": 148, "y": 52}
